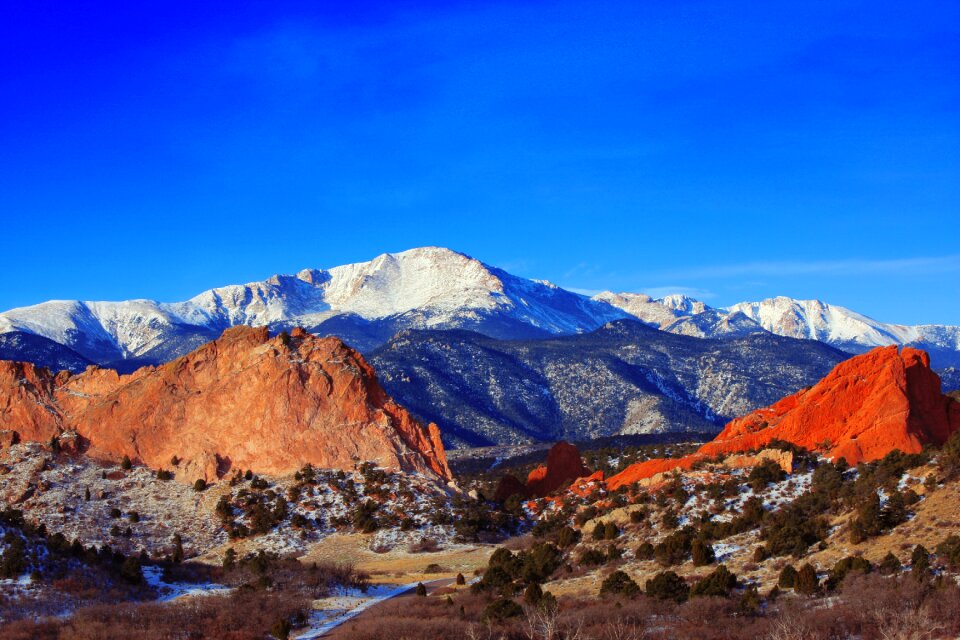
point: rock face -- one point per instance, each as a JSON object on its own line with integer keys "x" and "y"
{"x": 866, "y": 407}
{"x": 564, "y": 465}
{"x": 243, "y": 401}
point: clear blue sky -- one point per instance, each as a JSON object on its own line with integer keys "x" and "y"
{"x": 736, "y": 150}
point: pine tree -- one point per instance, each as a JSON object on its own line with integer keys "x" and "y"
{"x": 807, "y": 582}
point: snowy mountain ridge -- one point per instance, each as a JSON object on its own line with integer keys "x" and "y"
{"x": 422, "y": 288}
{"x": 366, "y": 303}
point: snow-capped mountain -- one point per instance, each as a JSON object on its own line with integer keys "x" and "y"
{"x": 804, "y": 319}
{"x": 365, "y": 303}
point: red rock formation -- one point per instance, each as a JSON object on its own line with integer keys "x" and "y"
{"x": 242, "y": 401}
{"x": 564, "y": 465}
{"x": 866, "y": 407}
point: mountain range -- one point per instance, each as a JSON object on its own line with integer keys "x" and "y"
{"x": 367, "y": 303}
{"x": 494, "y": 358}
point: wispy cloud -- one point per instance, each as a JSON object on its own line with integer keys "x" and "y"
{"x": 849, "y": 267}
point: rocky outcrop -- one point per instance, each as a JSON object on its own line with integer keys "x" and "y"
{"x": 866, "y": 407}
{"x": 242, "y": 401}
{"x": 564, "y": 465}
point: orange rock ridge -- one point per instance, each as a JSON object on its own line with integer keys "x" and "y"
{"x": 242, "y": 401}
{"x": 867, "y": 406}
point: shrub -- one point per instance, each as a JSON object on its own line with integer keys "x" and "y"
{"x": 667, "y": 585}
{"x": 807, "y": 582}
{"x": 164, "y": 475}
{"x": 674, "y": 549}
{"x": 645, "y": 551}
{"x": 533, "y": 594}
{"x": 788, "y": 577}
{"x": 421, "y": 590}
{"x": 610, "y": 531}
{"x": 949, "y": 551}
{"x": 501, "y": 609}
{"x": 619, "y": 583}
{"x": 920, "y": 563}
{"x": 718, "y": 583}
{"x": 702, "y": 553}
{"x": 766, "y": 472}
{"x": 115, "y": 513}
{"x": 200, "y": 485}
{"x": 592, "y": 557}
{"x": 890, "y": 564}
{"x": 567, "y": 537}
{"x": 125, "y": 464}
{"x": 461, "y": 580}
{"x": 843, "y": 567}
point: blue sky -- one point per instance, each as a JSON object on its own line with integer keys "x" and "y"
{"x": 733, "y": 150}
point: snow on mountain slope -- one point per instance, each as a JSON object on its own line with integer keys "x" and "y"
{"x": 421, "y": 288}
{"x": 804, "y": 319}
{"x": 849, "y": 330}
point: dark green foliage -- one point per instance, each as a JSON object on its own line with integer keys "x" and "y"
{"x": 133, "y": 516}
{"x": 749, "y": 603}
{"x": 200, "y": 485}
{"x": 567, "y": 537}
{"x": 949, "y": 551}
{"x": 13, "y": 562}
{"x": 502, "y": 609}
{"x": 949, "y": 459}
{"x": 920, "y": 563}
{"x": 828, "y": 480}
{"x": 540, "y": 562}
{"x": 702, "y": 553}
{"x": 667, "y": 585}
{"x": 890, "y": 564}
{"x": 115, "y": 513}
{"x": 644, "y": 551}
{"x": 131, "y": 571}
{"x": 846, "y": 566}
{"x": 718, "y": 583}
{"x": 533, "y": 594}
{"x": 585, "y": 516}
{"x": 592, "y": 557}
{"x": 86, "y": 494}
{"x": 364, "y": 519}
{"x": 421, "y": 590}
{"x": 125, "y": 464}
{"x": 792, "y": 529}
{"x": 766, "y": 472}
{"x": 638, "y": 516}
{"x": 177, "y": 548}
{"x": 461, "y": 580}
{"x": 619, "y": 583}
{"x": 788, "y": 577}
{"x": 164, "y": 475}
{"x": 229, "y": 559}
{"x": 807, "y": 582}
{"x": 670, "y": 519}
{"x": 675, "y": 548}
{"x": 610, "y": 531}
{"x": 598, "y": 531}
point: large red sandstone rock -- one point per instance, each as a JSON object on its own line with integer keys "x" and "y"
{"x": 243, "y": 401}
{"x": 564, "y": 465}
{"x": 866, "y": 407}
